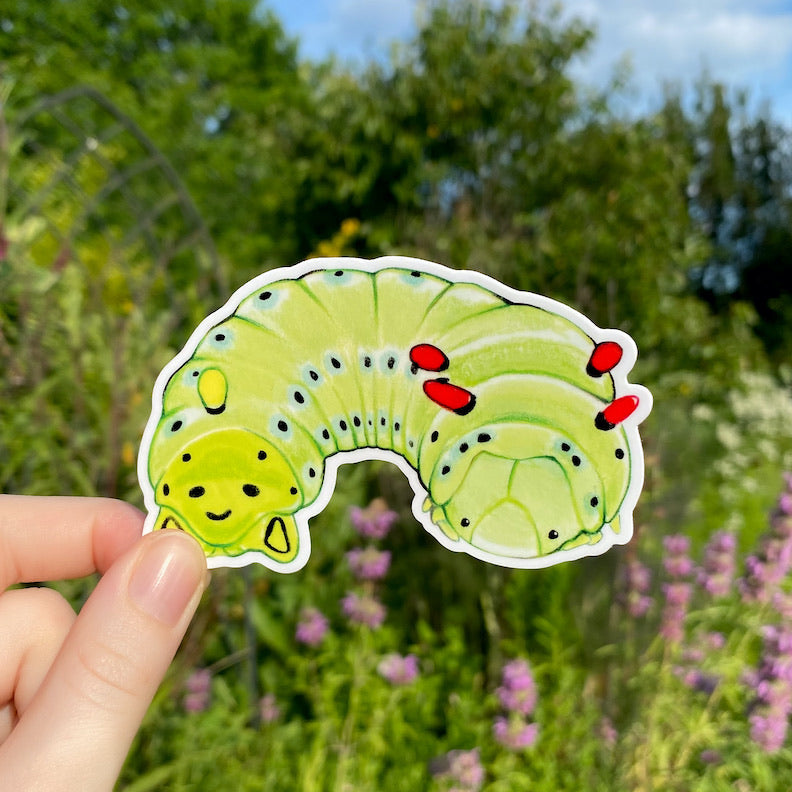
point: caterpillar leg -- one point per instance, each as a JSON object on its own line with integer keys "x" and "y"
{"x": 235, "y": 493}
{"x": 440, "y": 520}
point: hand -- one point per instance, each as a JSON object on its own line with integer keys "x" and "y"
{"x": 74, "y": 689}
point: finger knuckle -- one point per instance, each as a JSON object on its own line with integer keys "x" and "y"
{"x": 107, "y": 676}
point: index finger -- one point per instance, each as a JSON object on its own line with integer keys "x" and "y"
{"x": 52, "y": 538}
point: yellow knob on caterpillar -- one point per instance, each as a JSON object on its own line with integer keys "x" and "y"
{"x": 213, "y": 390}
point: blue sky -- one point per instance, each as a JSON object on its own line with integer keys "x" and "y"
{"x": 744, "y": 43}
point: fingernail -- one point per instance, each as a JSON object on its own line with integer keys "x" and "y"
{"x": 166, "y": 578}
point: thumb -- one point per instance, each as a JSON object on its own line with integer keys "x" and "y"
{"x": 77, "y": 731}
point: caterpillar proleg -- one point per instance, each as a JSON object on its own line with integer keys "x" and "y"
{"x": 509, "y": 413}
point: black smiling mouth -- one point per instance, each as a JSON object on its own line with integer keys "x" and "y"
{"x": 223, "y": 516}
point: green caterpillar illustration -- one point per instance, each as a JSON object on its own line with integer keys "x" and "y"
{"x": 509, "y": 413}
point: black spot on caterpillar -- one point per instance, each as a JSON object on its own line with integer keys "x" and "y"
{"x": 526, "y": 452}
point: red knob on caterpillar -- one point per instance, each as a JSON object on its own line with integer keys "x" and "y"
{"x": 428, "y": 357}
{"x": 616, "y": 412}
{"x": 452, "y": 397}
{"x": 604, "y": 357}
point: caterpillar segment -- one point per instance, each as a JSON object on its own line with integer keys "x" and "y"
{"x": 456, "y": 302}
{"x": 396, "y": 323}
{"x": 316, "y": 356}
{"x": 510, "y": 415}
{"x": 522, "y": 339}
{"x": 352, "y": 335}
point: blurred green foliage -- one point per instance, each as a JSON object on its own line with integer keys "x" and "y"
{"x": 155, "y": 156}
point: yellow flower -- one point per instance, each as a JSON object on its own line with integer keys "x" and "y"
{"x": 350, "y": 227}
{"x": 128, "y": 454}
{"x": 328, "y": 249}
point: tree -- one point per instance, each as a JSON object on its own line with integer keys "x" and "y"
{"x": 213, "y": 84}
{"x": 741, "y": 201}
{"x": 467, "y": 111}
{"x": 479, "y": 150}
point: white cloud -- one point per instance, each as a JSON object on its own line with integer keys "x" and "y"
{"x": 741, "y": 43}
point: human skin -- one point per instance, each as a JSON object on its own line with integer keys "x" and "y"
{"x": 74, "y": 688}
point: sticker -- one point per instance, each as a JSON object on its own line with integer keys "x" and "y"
{"x": 509, "y": 413}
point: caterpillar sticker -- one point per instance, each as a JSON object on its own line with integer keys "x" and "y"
{"x": 509, "y": 413}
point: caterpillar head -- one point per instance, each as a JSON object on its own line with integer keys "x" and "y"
{"x": 513, "y": 508}
{"x": 233, "y": 491}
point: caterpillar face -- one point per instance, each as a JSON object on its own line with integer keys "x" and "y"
{"x": 235, "y": 492}
{"x": 510, "y": 412}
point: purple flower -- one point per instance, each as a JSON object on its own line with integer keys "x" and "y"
{"x": 750, "y": 677}
{"x": 637, "y": 580}
{"x": 723, "y": 542}
{"x": 766, "y": 570}
{"x": 200, "y": 681}
{"x": 672, "y": 630}
{"x": 756, "y": 581}
{"x": 638, "y": 604}
{"x": 699, "y": 681}
{"x": 312, "y": 627}
{"x": 768, "y": 731}
{"x": 522, "y": 701}
{"x": 677, "y": 563}
{"x": 676, "y": 544}
{"x": 195, "y": 702}
{"x": 464, "y": 767}
{"x": 363, "y": 609}
{"x": 782, "y": 604}
{"x": 398, "y": 670}
{"x": 375, "y": 520}
{"x": 710, "y": 756}
{"x": 639, "y": 577}
{"x": 677, "y": 594}
{"x": 678, "y": 566}
{"x": 516, "y": 674}
{"x": 517, "y": 695}
{"x": 693, "y": 654}
{"x": 368, "y": 563}
{"x": 607, "y": 732}
{"x": 773, "y": 685}
{"x": 715, "y": 641}
{"x": 514, "y": 733}
{"x": 717, "y": 572}
{"x": 677, "y": 591}
{"x": 518, "y": 691}
{"x": 269, "y": 711}
{"x": 198, "y": 686}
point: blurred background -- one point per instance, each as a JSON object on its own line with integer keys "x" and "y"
{"x": 632, "y": 161}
